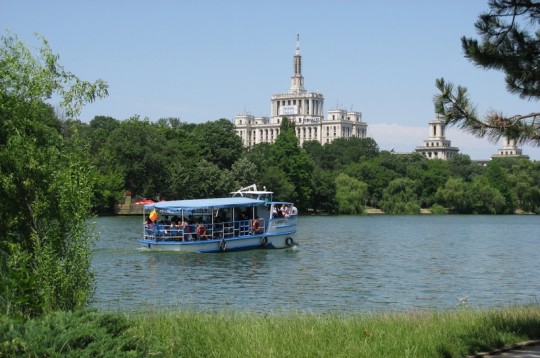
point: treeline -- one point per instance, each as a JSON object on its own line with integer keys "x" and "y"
{"x": 171, "y": 159}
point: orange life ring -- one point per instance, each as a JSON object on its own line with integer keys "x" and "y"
{"x": 256, "y": 226}
{"x": 201, "y": 231}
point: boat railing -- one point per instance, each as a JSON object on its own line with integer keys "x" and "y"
{"x": 203, "y": 231}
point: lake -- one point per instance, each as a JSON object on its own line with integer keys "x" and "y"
{"x": 341, "y": 264}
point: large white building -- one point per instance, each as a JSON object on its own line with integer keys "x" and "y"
{"x": 306, "y": 110}
{"x": 437, "y": 146}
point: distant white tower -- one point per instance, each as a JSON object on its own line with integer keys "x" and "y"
{"x": 509, "y": 149}
{"x": 437, "y": 146}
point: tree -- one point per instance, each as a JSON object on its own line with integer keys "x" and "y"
{"x": 294, "y": 162}
{"x": 510, "y": 39}
{"x": 351, "y": 194}
{"x": 400, "y": 197}
{"x": 453, "y": 196}
{"x": 497, "y": 177}
{"x": 432, "y": 174}
{"x": 485, "y": 199}
{"x": 242, "y": 174}
{"x": 45, "y": 185}
{"x": 220, "y": 141}
{"x": 462, "y": 166}
{"x": 323, "y": 197}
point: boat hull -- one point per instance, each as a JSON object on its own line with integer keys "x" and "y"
{"x": 281, "y": 240}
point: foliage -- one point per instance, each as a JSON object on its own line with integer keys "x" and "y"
{"x": 341, "y": 152}
{"x": 85, "y": 333}
{"x": 221, "y": 142}
{"x": 485, "y": 199}
{"x": 437, "y": 209}
{"x": 46, "y": 185}
{"x": 294, "y": 162}
{"x": 506, "y": 45}
{"x": 243, "y": 173}
{"x": 400, "y": 197}
{"x": 462, "y": 166}
{"x": 167, "y": 160}
{"x": 454, "y": 196}
{"x": 351, "y": 194}
{"x": 324, "y": 196}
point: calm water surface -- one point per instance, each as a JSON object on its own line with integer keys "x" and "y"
{"x": 341, "y": 264}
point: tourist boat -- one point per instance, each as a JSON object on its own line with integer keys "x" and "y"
{"x": 248, "y": 219}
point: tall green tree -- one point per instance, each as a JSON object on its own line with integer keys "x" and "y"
{"x": 497, "y": 175}
{"x": 294, "y": 162}
{"x": 509, "y": 41}
{"x": 323, "y": 197}
{"x": 46, "y": 185}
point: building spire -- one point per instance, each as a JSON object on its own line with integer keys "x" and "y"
{"x": 297, "y": 80}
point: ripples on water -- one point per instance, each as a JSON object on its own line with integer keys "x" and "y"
{"x": 342, "y": 264}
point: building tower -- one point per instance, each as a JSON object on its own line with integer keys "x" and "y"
{"x": 305, "y": 109}
{"x": 299, "y": 106}
{"x": 509, "y": 149}
{"x": 297, "y": 80}
{"x": 437, "y": 146}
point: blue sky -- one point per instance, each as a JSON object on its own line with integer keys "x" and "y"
{"x": 204, "y": 60}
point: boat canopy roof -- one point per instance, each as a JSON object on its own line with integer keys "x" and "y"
{"x": 214, "y": 203}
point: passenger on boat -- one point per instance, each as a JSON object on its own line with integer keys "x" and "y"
{"x": 201, "y": 232}
{"x": 148, "y": 222}
{"x": 181, "y": 224}
{"x": 256, "y": 226}
{"x": 187, "y": 233}
{"x": 285, "y": 211}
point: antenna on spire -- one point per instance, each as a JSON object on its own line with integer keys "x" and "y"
{"x": 297, "y": 43}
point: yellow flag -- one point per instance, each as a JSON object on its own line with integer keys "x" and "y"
{"x": 153, "y": 215}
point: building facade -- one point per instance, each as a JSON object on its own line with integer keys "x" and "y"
{"x": 437, "y": 146}
{"x": 306, "y": 110}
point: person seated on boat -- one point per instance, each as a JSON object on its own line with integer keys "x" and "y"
{"x": 188, "y": 232}
{"x": 280, "y": 211}
{"x": 274, "y": 211}
{"x": 201, "y": 231}
{"x": 284, "y": 211}
{"x": 148, "y": 223}
{"x": 256, "y": 226}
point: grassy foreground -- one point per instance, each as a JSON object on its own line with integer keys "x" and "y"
{"x": 455, "y": 333}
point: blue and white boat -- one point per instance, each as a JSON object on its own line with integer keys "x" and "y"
{"x": 249, "y": 219}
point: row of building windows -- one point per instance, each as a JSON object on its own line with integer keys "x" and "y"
{"x": 437, "y": 144}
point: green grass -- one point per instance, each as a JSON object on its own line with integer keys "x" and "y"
{"x": 413, "y": 334}
{"x": 454, "y": 333}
